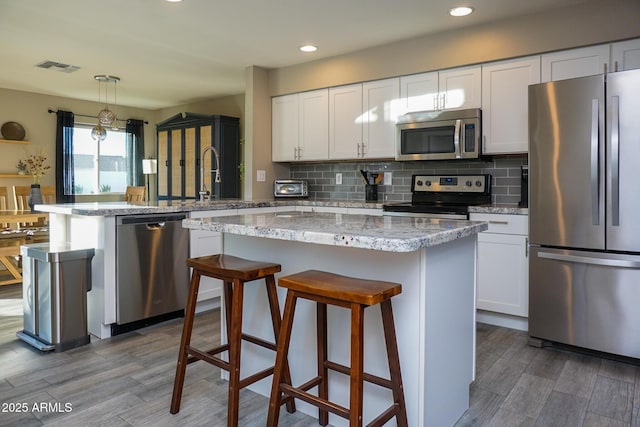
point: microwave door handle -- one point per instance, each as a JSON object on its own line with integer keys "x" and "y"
{"x": 456, "y": 138}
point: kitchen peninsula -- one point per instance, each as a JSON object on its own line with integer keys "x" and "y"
{"x": 434, "y": 316}
{"x": 434, "y": 260}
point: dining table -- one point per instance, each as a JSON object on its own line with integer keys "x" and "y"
{"x": 17, "y": 228}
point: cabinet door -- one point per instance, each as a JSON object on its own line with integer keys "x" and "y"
{"x": 505, "y": 123}
{"x": 176, "y": 164}
{"x": 625, "y": 55}
{"x": 460, "y": 88}
{"x": 379, "y": 99}
{"x": 190, "y": 168}
{"x": 419, "y": 92}
{"x": 581, "y": 62}
{"x": 284, "y": 141}
{"x": 207, "y": 163}
{"x": 503, "y": 284}
{"x": 163, "y": 164}
{"x": 345, "y": 122}
{"x": 313, "y": 125}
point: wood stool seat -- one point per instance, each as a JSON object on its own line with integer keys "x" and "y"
{"x": 355, "y": 294}
{"x": 234, "y": 272}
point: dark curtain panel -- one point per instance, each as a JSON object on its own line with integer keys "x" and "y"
{"x": 135, "y": 151}
{"x": 65, "y": 181}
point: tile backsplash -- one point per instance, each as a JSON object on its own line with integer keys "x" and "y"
{"x": 504, "y": 171}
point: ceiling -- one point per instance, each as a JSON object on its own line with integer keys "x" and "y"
{"x": 168, "y": 54}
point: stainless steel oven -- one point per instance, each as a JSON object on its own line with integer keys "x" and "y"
{"x": 443, "y": 196}
{"x": 439, "y": 135}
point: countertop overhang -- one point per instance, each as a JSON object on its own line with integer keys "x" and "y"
{"x": 383, "y": 233}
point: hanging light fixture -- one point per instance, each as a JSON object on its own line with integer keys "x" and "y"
{"x": 106, "y": 117}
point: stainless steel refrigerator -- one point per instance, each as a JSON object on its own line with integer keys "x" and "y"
{"x": 584, "y": 212}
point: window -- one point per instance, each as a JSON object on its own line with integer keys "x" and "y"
{"x": 99, "y": 167}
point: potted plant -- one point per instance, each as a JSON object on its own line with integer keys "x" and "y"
{"x": 22, "y": 168}
{"x": 36, "y": 168}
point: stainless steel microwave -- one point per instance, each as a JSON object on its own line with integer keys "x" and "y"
{"x": 439, "y": 135}
{"x": 290, "y": 188}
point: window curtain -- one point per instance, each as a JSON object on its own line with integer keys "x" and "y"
{"x": 135, "y": 151}
{"x": 65, "y": 181}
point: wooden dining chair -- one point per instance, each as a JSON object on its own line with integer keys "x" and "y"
{"x": 135, "y": 194}
{"x": 21, "y": 198}
{"x": 4, "y": 198}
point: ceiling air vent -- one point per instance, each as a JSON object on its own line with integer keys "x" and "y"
{"x": 58, "y": 66}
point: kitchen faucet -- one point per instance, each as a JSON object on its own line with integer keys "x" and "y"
{"x": 203, "y": 188}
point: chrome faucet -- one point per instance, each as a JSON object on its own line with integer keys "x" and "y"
{"x": 203, "y": 187}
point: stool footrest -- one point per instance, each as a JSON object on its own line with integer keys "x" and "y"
{"x": 207, "y": 356}
{"x": 259, "y": 341}
{"x": 384, "y": 417}
{"x": 315, "y": 400}
{"x": 382, "y": 382}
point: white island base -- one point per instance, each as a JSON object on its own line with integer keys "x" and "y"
{"x": 434, "y": 321}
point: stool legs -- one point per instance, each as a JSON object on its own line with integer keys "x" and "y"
{"x": 234, "y": 330}
{"x": 181, "y": 367}
{"x": 323, "y": 371}
{"x": 356, "y": 380}
{"x": 394, "y": 362}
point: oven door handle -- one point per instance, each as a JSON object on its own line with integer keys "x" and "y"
{"x": 456, "y": 139}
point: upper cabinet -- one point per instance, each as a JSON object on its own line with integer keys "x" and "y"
{"x": 505, "y": 104}
{"x": 362, "y": 119}
{"x": 453, "y": 89}
{"x": 625, "y": 55}
{"x": 300, "y": 126}
{"x": 567, "y": 64}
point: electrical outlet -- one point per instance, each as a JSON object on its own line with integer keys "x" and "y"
{"x": 261, "y": 176}
{"x": 388, "y": 178}
{"x": 338, "y": 179}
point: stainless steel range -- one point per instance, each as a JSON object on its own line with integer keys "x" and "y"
{"x": 443, "y": 196}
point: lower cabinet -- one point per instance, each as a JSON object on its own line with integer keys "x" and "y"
{"x": 503, "y": 282}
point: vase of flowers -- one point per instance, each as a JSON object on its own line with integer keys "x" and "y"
{"x": 37, "y": 169}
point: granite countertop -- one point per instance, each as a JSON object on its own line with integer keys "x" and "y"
{"x": 499, "y": 209}
{"x": 169, "y": 206}
{"x": 384, "y": 233}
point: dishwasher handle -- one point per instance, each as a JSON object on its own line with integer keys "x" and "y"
{"x": 150, "y": 219}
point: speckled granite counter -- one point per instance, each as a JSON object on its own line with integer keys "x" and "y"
{"x": 123, "y": 208}
{"x": 388, "y": 233}
{"x": 499, "y": 209}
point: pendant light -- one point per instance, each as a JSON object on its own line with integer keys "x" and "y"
{"x": 106, "y": 117}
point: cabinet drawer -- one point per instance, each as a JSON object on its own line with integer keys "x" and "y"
{"x": 504, "y": 223}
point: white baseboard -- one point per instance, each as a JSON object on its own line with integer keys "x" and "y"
{"x": 504, "y": 320}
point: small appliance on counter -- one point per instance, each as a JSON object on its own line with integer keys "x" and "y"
{"x": 290, "y": 188}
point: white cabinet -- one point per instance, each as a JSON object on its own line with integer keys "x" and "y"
{"x": 362, "y": 120}
{"x": 505, "y": 104}
{"x": 300, "y": 126}
{"x": 625, "y": 55}
{"x": 503, "y": 282}
{"x": 453, "y": 89}
{"x": 567, "y": 64}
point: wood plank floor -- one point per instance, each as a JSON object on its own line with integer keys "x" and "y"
{"x": 127, "y": 380}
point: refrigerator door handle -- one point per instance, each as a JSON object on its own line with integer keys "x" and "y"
{"x": 615, "y": 161}
{"x": 595, "y": 185}
{"x": 607, "y": 262}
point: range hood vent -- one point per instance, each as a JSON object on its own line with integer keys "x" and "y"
{"x": 58, "y": 66}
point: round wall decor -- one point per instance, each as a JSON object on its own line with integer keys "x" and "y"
{"x": 13, "y": 131}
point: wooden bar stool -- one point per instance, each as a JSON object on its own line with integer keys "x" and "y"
{"x": 354, "y": 294}
{"x": 234, "y": 272}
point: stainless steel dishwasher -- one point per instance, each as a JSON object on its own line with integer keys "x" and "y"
{"x": 152, "y": 277}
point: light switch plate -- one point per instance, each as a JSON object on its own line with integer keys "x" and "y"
{"x": 338, "y": 179}
{"x": 388, "y": 178}
{"x": 261, "y": 176}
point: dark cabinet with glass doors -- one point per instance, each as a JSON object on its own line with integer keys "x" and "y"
{"x": 181, "y": 141}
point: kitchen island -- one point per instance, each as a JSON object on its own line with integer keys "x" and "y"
{"x": 433, "y": 259}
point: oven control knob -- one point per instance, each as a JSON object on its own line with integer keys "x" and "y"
{"x": 427, "y": 183}
{"x": 469, "y": 183}
{"x": 478, "y": 183}
{"x": 418, "y": 183}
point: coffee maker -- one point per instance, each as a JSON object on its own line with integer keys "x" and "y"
{"x": 524, "y": 186}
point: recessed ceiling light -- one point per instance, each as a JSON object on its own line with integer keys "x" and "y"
{"x": 174, "y": 1}
{"x": 461, "y": 11}
{"x": 308, "y": 48}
